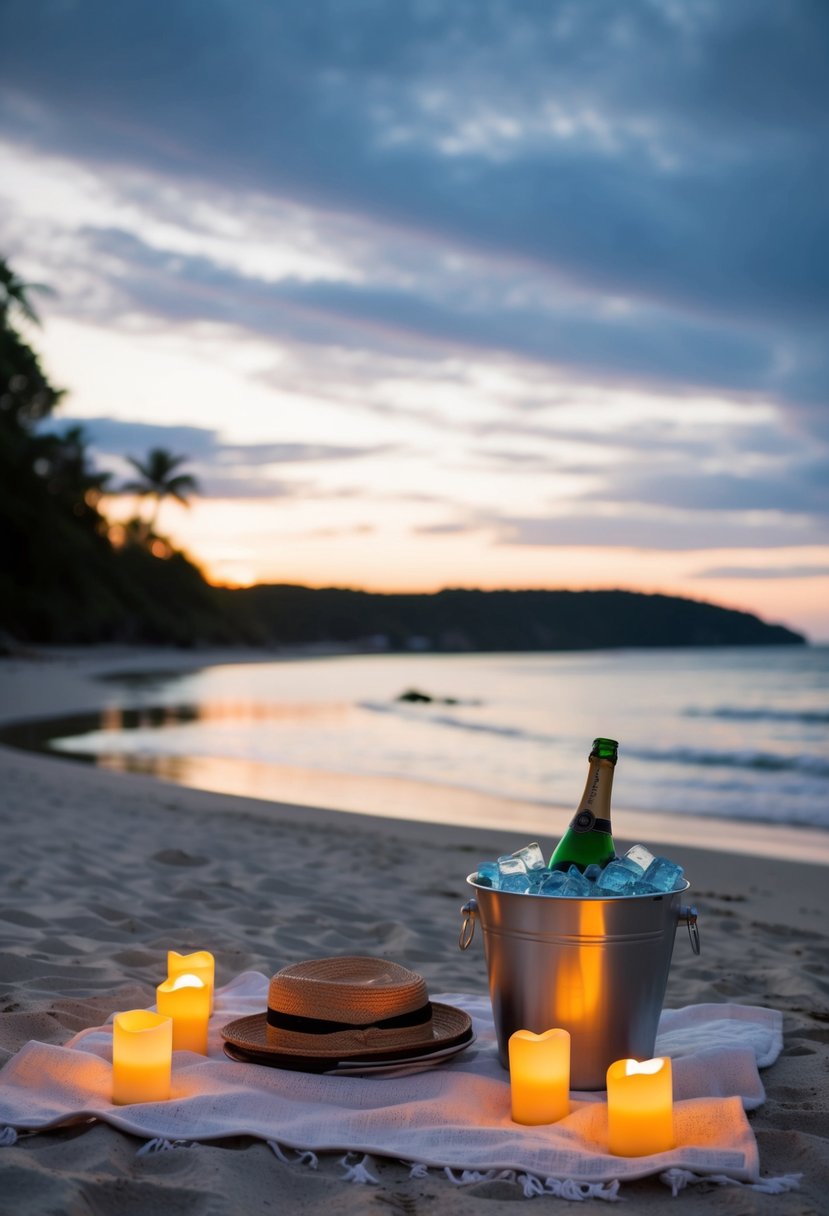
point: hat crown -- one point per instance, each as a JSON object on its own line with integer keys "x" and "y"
{"x": 323, "y": 1011}
{"x": 353, "y": 990}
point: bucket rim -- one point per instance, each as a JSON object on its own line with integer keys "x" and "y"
{"x": 593, "y": 899}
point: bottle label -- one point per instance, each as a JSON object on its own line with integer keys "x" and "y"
{"x": 586, "y": 821}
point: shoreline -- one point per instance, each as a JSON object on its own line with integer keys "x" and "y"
{"x": 78, "y": 685}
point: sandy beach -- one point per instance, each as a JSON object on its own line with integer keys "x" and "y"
{"x": 103, "y": 872}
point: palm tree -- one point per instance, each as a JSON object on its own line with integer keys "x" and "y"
{"x": 160, "y": 480}
{"x": 14, "y": 294}
{"x": 26, "y": 396}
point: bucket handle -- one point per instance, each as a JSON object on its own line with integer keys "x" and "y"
{"x": 689, "y": 916}
{"x": 469, "y": 912}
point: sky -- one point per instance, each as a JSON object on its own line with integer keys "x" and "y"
{"x": 442, "y": 293}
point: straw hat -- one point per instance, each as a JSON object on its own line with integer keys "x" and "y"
{"x": 339, "y": 1008}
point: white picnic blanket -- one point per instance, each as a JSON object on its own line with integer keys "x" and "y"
{"x": 456, "y": 1115}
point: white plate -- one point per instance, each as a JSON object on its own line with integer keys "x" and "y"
{"x": 401, "y": 1066}
{"x": 398, "y": 1068}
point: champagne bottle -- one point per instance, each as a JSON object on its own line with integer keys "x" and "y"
{"x": 588, "y": 839}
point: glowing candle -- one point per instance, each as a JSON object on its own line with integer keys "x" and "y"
{"x": 201, "y": 964}
{"x": 640, "y": 1113}
{"x": 186, "y": 999}
{"x": 142, "y": 1049}
{"x": 539, "y": 1070}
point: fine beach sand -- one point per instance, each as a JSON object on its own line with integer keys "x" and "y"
{"x": 103, "y": 872}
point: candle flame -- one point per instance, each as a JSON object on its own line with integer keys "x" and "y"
{"x": 645, "y": 1066}
{"x": 186, "y": 981}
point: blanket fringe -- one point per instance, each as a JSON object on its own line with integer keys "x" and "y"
{"x": 303, "y": 1157}
{"x": 470, "y": 1177}
{"x": 8, "y": 1137}
{"x": 357, "y": 1171}
{"x": 531, "y": 1184}
{"x": 160, "y": 1145}
{"x": 677, "y": 1179}
{"x": 777, "y": 1186}
{"x": 568, "y": 1189}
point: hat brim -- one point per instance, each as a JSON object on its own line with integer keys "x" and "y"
{"x": 447, "y": 1027}
{"x": 403, "y": 1065}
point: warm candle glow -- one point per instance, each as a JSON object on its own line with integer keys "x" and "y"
{"x": 539, "y": 1069}
{"x": 201, "y": 964}
{"x": 186, "y": 999}
{"x": 640, "y": 1118}
{"x": 142, "y": 1047}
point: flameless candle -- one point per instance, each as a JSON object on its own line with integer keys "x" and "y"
{"x": 539, "y": 1070}
{"x": 640, "y": 1115}
{"x": 186, "y": 999}
{"x": 201, "y": 964}
{"x": 142, "y": 1049}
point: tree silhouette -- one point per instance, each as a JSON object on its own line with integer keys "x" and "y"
{"x": 26, "y": 396}
{"x": 14, "y": 294}
{"x": 64, "y": 577}
{"x": 159, "y": 479}
{"x": 62, "y": 461}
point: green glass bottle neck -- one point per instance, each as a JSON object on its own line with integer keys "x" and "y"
{"x": 588, "y": 838}
{"x": 605, "y": 749}
{"x": 595, "y": 801}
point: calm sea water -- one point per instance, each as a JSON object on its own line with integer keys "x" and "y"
{"x": 738, "y": 734}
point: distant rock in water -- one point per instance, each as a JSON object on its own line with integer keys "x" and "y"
{"x": 415, "y": 696}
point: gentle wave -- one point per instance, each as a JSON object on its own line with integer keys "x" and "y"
{"x": 728, "y": 734}
{"x": 769, "y": 762}
{"x": 809, "y": 717}
{"x": 487, "y": 728}
{"x": 814, "y": 766}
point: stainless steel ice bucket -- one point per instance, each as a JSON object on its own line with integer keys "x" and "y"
{"x": 596, "y": 967}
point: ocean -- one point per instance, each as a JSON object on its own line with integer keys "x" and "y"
{"x": 731, "y": 734}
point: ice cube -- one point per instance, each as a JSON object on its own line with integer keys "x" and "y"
{"x": 517, "y": 883}
{"x": 616, "y": 879}
{"x": 531, "y": 856}
{"x": 640, "y": 855}
{"x": 592, "y": 872}
{"x": 537, "y": 879}
{"x": 577, "y": 886}
{"x": 488, "y": 874}
{"x": 512, "y": 874}
{"x": 640, "y": 887}
{"x": 664, "y": 875}
{"x": 552, "y": 884}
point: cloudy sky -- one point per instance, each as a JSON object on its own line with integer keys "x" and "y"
{"x": 443, "y": 292}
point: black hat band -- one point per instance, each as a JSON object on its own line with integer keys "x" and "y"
{"x": 302, "y": 1025}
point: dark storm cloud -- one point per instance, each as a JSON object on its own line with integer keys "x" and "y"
{"x": 668, "y": 153}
